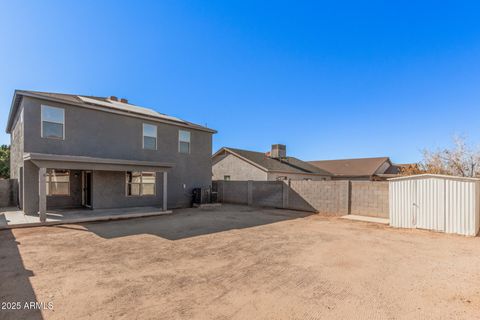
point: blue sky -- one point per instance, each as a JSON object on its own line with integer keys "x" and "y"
{"x": 334, "y": 79}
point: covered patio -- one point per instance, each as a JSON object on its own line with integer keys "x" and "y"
{"x": 12, "y": 217}
{"x": 103, "y": 186}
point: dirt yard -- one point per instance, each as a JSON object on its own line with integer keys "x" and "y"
{"x": 239, "y": 263}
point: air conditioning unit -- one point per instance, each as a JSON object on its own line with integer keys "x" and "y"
{"x": 201, "y": 195}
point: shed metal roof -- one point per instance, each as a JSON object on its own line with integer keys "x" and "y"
{"x": 430, "y": 175}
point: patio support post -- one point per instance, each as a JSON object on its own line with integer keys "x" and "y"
{"x": 42, "y": 194}
{"x": 164, "y": 204}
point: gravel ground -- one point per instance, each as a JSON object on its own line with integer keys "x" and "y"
{"x": 239, "y": 263}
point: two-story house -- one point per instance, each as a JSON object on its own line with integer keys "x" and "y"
{"x": 71, "y": 151}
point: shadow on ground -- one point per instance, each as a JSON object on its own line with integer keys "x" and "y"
{"x": 15, "y": 283}
{"x": 187, "y": 223}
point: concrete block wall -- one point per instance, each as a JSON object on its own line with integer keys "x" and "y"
{"x": 8, "y": 192}
{"x": 334, "y": 197}
{"x": 252, "y": 193}
{"x": 267, "y": 194}
{"x": 369, "y": 198}
{"x": 232, "y": 191}
{"x": 328, "y": 197}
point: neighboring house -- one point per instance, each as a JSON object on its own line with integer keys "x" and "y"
{"x": 236, "y": 164}
{"x": 72, "y": 151}
{"x": 360, "y": 169}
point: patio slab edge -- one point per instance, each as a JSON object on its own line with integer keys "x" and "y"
{"x": 89, "y": 219}
{"x": 366, "y": 219}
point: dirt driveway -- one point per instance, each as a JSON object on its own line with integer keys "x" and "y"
{"x": 239, "y": 263}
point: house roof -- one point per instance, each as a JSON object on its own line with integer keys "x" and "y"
{"x": 102, "y": 103}
{"x": 286, "y": 165}
{"x": 351, "y": 167}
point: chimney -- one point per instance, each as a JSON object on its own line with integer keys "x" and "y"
{"x": 279, "y": 151}
{"x": 113, "y": 98}
{"x": 123, "y": 100}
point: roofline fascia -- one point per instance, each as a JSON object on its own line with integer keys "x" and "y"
{"x": 218, "y": 152}
{"x": 98, "y": 108}
{"x": 353, "y": 175}
{"x": 12, "y": 113}
{"x": 347, "y": 159}
{"x": 380, "y": 165}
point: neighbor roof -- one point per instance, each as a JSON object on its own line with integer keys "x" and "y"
{"x": 99, "y": 102}
{"x": 286, "y": 165}
{"x": 351, "y": 167}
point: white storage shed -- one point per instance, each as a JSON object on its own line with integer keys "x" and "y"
{"x": 435, "y": 202}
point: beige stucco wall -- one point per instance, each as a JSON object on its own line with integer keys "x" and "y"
{"x": 237, "y": 169}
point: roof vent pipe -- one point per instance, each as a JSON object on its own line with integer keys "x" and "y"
{"x": 113, "y": 98}
{"x": 123, "y": 100}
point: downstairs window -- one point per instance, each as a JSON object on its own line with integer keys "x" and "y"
{"x": 140, "y": 183}
{"x": 58, "y": 182}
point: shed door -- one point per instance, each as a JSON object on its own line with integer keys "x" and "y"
{"x": 429, "y": 204}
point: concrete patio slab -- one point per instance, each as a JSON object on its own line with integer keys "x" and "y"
{"x": 11, "y": 218}
{"x": 366, "y": 219}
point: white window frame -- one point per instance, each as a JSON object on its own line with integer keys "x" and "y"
{"x": 143, "y": 135}
{"x": 141, "y": 183}
{"x": 189, "y": 141}
{"x": 62, "y": 123}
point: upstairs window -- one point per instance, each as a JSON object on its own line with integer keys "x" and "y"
{"x": 53, "y": 122}
{"x": 58, "y": 182}
{"x": 184, "y": 141}
{"x": 140, "y": 183}
{"x": 149, "y": 136}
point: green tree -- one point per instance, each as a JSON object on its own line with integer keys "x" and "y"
{"x": 5, "y": 161}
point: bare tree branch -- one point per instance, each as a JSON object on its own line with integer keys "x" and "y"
{"x": 460, "y": 160}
